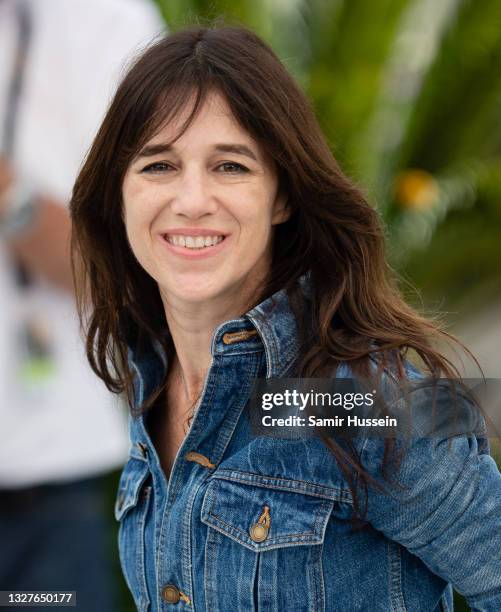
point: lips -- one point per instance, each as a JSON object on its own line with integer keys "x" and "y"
{"x": 193, "y": 231}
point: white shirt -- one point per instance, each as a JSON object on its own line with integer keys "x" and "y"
{"x": 66, "y": 425}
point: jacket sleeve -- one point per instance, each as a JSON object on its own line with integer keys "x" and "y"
{"x": 446, "y": 508}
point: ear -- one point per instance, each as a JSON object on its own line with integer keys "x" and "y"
{"x": 281, "y": 209}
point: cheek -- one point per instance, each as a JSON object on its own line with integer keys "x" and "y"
{"x": 255, "y": 210}
{"x": 138, "y": 206}
{"x": 137, "y": 220}
{"x": 255, "y": 216}
{"x": 133, "y": 224}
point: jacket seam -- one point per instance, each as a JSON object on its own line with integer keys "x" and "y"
{"x": 395, "y": 577}
{"x": 298, "y": 486}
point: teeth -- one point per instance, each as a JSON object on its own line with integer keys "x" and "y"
{"x": 194, "y": 242}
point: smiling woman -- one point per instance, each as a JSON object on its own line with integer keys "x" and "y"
{"x": 216, "y": 241}
{"x": 214, "y": 170}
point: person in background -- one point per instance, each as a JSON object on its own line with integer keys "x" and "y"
{"x": 61, "y": 432}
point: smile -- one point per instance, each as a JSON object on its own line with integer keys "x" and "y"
{"x": 194, "y": 247}
{"x": 193, "y": 242}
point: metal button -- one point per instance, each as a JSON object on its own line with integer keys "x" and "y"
{"x": 171, "y": 594}
{"x": 258, "y": 532}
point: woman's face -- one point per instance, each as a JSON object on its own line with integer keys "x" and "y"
{"x": 199, "y": 214}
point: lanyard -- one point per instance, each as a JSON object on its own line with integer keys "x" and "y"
{"x": 16, "y": 82}
{"x": 33, "y": 354}
{"x": 24, "y": 34}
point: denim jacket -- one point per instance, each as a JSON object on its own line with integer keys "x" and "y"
{"x": 259, "y": 523}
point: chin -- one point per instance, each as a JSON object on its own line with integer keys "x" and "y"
{"x": 193, "y": 289}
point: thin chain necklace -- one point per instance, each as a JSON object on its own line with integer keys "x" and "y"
{"x": 192, "y": 409}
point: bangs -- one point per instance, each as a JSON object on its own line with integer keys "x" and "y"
{"x": 170, "y": 105}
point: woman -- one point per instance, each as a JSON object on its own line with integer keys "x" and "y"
{"x": 216, "y": 241}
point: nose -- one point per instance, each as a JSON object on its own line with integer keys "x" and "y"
{"x": 193, "y": 197}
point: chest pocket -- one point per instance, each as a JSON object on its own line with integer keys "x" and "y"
{"x": 131, "y": 508}
{"x": 263, "y": 547}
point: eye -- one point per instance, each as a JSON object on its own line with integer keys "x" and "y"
{"x": 156, "y": 168}
{"x": 232, "y": 168}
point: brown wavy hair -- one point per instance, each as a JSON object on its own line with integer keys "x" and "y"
{"x": 356, "y": 307}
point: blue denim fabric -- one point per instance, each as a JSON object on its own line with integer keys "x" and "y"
{"x": 443, "y": 526}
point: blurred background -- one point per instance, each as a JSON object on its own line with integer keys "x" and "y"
{"x": 408, "y": 93}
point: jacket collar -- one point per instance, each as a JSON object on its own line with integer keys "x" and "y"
{"x": 270, "y": 326}
{"x": 276, "y": 327}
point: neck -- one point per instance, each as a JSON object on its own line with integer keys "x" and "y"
{"x": 192, "y": 324}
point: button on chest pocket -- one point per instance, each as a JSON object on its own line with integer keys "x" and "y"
{"x": 263, "y": 548}
{"x": 131, "y": 507}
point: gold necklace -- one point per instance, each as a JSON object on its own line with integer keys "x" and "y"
{"x": 192, "y": 409}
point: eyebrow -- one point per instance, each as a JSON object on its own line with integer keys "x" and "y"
{"x": 159, "y": 148}
{"x": 239, "y": 149}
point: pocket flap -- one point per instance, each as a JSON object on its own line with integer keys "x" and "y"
{"x": 294, "y": 518}
{"x": 132, "y": 478}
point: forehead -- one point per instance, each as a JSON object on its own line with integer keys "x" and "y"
{"x": 214, "y": 121}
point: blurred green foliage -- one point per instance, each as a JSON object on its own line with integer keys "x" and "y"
{"x": 399, "y": 86}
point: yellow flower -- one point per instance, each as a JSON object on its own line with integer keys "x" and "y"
{"x": 416, "y": 189}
